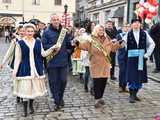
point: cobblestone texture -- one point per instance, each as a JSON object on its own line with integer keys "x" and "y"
{"x": 78, "y": 104}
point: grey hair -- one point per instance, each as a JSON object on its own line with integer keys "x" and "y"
{"x": 53, "y": 14}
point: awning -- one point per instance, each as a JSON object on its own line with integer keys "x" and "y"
{"x": 7, "y": 21}
{"x": 119, "y": 13}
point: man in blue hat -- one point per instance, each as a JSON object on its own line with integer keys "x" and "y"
{"x": 139, "y": 47}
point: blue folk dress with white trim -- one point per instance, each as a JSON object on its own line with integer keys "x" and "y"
{"x": 30, "y": 78}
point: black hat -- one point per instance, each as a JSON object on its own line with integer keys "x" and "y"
{"x": 136, "y": 19}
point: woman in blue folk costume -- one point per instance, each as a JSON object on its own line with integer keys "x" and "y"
{"x": 10, "y": 55}
{"x": 122, "y": 61}
{"x": 139, "y": 47}
{"x": 28, "y": 70}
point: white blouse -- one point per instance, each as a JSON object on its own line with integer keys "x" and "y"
{"x": 149, "y": 41}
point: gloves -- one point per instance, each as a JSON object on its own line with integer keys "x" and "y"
{"x": 146, "y": 56}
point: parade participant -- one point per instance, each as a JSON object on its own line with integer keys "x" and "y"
{"x": 57, "y": 66}
{"x": 10, "y": 55}
{"x": 85, "y": 59}
{"x": 155, "y": 34}
{"x": 111, "y": 31}
{"x": 139, "y": 47}
{"x": 70, "y": 51}
{"x": 28, "y": 70}
{"x": 122, "y": 57}
{"x": 6, "y": 34}
{"x": 78, "y": 68}
{"x": 99, "y": 48}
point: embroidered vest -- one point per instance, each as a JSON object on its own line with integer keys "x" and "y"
{"x": 131, "y": 42}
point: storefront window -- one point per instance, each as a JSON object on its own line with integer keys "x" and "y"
{"x": 6, "y": 1}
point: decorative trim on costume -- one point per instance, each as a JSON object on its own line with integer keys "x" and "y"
{"x": 29, "y": 96}
{"x": 137, "y": 53}
{"x": 30, "y": 77}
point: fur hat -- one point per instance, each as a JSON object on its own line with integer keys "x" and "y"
{"x": 136, "y": 19}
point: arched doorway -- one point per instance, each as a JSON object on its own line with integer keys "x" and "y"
{"x": 6, "y": 23}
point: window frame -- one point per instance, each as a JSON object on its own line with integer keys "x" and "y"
{"x": 7, "y": 1}
{"x": 35, "y": 2}
{"x": 57, "y": 3}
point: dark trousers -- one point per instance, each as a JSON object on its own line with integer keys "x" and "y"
{"x": 57, "y": 81}
{"x": 157, "y": 58}
{"x": 70, "y": 63}
{"x": 86, "y": 76}
{"x": 113, "y": 61}
{"x": 122, "y": 74}
{"x": 99, "y": 87}
{"x": 7, "y": 39}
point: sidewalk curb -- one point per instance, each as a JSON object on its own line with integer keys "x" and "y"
{"x": 154, "y": 78}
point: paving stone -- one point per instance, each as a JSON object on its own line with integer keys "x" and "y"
{"x": 78, "y": 104}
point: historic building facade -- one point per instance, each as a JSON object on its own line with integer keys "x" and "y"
{"x": 15, "y": 11}
{"x": 101, "y": 10}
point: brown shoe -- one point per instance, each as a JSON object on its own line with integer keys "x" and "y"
{"x": 101, "y": 102}
{"x": 120, "y": 90}
{"x": 98, "y": 105}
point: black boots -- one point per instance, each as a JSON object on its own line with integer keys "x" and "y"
{"x": 25, "y": 107}
{"x": 31, "y": 106}
{"x": 92, "y": 91}
{"x": 133, "y": 96}
{"x": 19, "y": 100}
{"x": 86, "y": 88}
{"x": 62, "y": 103}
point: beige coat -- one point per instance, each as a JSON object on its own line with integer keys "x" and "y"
{"x": 98, "y": 66}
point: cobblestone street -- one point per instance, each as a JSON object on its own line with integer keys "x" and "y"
{"x": 78, "y": 104}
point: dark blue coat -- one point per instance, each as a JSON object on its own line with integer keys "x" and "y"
{"x": 49, "y": 38}
{"x": 133, "y": 74}
{"x": 24, "y": 67}
{"x": 122, "y": 53}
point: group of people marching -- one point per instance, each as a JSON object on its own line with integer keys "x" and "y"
{"x": 97, "y": 45}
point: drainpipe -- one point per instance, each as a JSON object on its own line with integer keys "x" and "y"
{"x": 128, "y": 10}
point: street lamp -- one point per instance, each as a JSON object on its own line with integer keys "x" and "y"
{"x": 65, "y": 13}
{"x": 65, "y": 8}
{"x": 23, "y": 11}
{"x": 128, "y": 10}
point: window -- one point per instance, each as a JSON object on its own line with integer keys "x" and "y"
{"x": 6, "y": 1}
{"x": 107, "y": 14}
{"x": 96, "y": 18}
{"x": 58, "y": 2}
{"x": 36, "y": 2}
